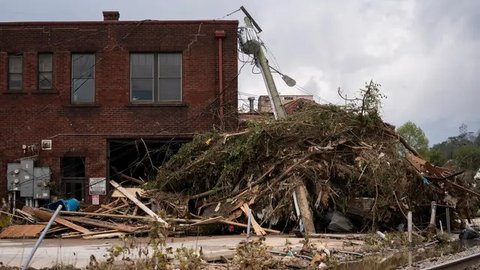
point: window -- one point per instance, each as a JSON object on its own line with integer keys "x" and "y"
{"x": 45, "y": 71}
{"x": 156, "y": 77}
{"x": 83, "y": 78}
{"x": 15, "y": 72}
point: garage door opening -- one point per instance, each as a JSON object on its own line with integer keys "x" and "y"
{"x": 139, "y": 159}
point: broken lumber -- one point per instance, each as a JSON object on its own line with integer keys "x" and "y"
{"x": 22, "y": 231}
{"x": 138, "y": 203}
{"x": 45, "y": 216}
{"x": 256, "y": 227}
{"x": 102, "y": 224}
{"x": 228, "y": 222}
{"x": 105, "y": 215}
{"x": 104, "y": 235}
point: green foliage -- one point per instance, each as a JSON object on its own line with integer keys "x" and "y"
{"x": 133, "y": 254}
{"x": 415, "y": 137}
{"x": 468, "y": 156}
{"x": 436, "y": 157}
{"x": 463, "y": 149}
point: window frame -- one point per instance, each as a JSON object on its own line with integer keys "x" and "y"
{"x": 9, "y": 73}
{"x": 156, "y": 79}
{"x": 153, "y": 80}
{"x": 40, "y": 72}
{"x": 72, "y": 78}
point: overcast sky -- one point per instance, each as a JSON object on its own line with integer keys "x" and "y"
{"x": 424, "y": 53}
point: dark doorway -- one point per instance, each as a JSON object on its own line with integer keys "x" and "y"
{"x": 73, "y": 177}
{"x": 139, "y": 158}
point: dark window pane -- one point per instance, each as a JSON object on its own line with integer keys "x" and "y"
{"x": 15, "y": 81}
{"x": 170, "y": 89}
{"x": 142, "y": 89}
{"x": 83, "y": 65}
{"x": 141, "y": 65}
{"x": 169, "y": 65}
{"x": 15, "y": 64}
{"x": 45, "y": 80}
{"x": 45, "y": 62}
{"x": 83, "y": 91}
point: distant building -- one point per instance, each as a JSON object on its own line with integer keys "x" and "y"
{"x": 264, "y": 105}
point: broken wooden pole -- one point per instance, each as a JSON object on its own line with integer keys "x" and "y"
{"x": 301, "y": 196}
{"x": 433, "y": 214}
{"x": 409, "y": 222}
{"x": 447, "y": 217}
{"x": 138, "y": 203}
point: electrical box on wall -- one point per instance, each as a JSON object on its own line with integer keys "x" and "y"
{"x": 41, "y": 183}
{"x": 26, "y": 181}
{"x": 13, "y": 176}
{"x": 30, "y": 181}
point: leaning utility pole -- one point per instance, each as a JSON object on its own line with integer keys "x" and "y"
{"x": 250, "y": 44}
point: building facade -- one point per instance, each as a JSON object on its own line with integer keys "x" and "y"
{"x": 84, "y": 98}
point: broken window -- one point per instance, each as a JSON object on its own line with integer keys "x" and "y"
{"x": 73, "y": 177}
{"x": 83, "y": 78}
{"x": 15, "y": 72}
{"x": 45, "y": 71}
{"x": 156, "y": 77}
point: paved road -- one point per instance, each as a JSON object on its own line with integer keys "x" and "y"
{"x": 77, "y": 251}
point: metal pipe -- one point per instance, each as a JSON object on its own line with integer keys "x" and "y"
{"x": 220, "y": 35}
{"x": 40, "y": 239}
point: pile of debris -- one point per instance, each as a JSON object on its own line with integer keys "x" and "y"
{"x": 323, "y": 168}
{"x": 125, "y": 214}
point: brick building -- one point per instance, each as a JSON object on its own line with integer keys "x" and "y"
{"x": 111, "y": 94}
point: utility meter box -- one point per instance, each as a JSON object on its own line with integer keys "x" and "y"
{"x": 30, "y": 181}
{"x": 41, "y": 183}
{"x": 26, "y": 181}
{"x": 14, "y": 174}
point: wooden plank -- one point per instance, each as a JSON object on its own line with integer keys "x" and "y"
{"x": 245, "y": 225}
{"x": 104, "y": 235}
{"x": 207, "y": 221}
{"x": 132, "y": 191}
{"x": 105, "y": 215}
{"x": 115, "y": 208}
{"x": 45, "y": 216}
{"x": 102, "y": 224}
{"x": 22, "y": 231}
{"x": 142, "y": 206}
{"x": 256, "y": 227}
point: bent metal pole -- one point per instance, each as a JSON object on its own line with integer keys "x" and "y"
{"x": 40, "y": 239}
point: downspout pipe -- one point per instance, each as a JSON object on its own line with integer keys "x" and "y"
{"x": 220, "y": 35}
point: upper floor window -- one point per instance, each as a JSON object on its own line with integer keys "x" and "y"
{"x": 155, "y": 77}
{"x": 15, "y": 72}
{"x": 45, "y": 71}
{"x": 83, "y": 78}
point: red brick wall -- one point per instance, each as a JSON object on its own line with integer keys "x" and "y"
{"x": 30, "y": 116}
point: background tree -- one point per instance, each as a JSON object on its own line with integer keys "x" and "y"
{"x": 468, "y": 157}
{"x": 415, "y": 137}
